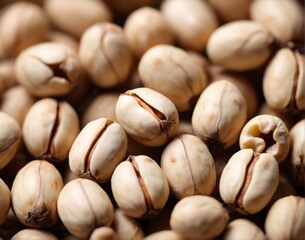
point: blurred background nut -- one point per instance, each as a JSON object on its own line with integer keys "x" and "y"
{"x": 147, "y": 116}
{"x": 296, "y": 159}
{"x": 220, "y": 114}
{"x": 98, "y": 149}
{"x": 48, "y": 69}
{"x": 243, "y": 229}
{"x": 105, "y": 54}
{"x": 16, "y": 102}
{"x": 139, "y": 187}
{"x": 174, "y": 73}
{"x": 285, "y": 219}
{"x": 34, "y": 234}
{"x": 101, "y": 106}
{"x": 145, "y": 28}
{"x": 231, "y": 10}
{"x": 248, "y": 181}
{"x": 21, "y": 25}
{"x": 285, "y": 73}
{"x": 199, "y": 217}
{"x": 189, "y": 166}
{"x": 103, "y": 233}
{"x": 126, "y": 228}
{"x": 64, "y": 38}
{"x": 49, "y": 129}
{"x": 266, "y": 133}
{"x": 5, "y": 201}
{"x": 10, "y": 138}
{"x": 284, "y": 19}
{"x": 35, "y": 192}
{"x": 7, "y": 74}
{"x": 83, "y": 206}
{"x": 165, "y": 234}
{"x": 192, "y": 22}
{"x": 240, "y": 45}
{"x": 75, "y": 16}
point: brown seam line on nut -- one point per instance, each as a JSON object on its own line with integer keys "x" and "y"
{"x": 95, "y": 223}
{"x": 107, "y": 58}
{"x": 10, "y": 146}
{"x": 248, "y": 178}
{"x": 163, "y": 121}
{"x": 92, "y": 147}
{"x": 292, "y": 103}
{"x": 147, "y": 198}
{"x": 48, "y": 155}
{"x": 188, "y": 164}
{"x": 40, "y": 216}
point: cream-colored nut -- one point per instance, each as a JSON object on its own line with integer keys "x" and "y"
{"x": 7, "y": 74}
{"x": 139, "y": 187}
{"x": 220, "y": 114}
{"x": 266, "y": 133}
{"x": 248, "y": 181}
{"x": 285, "y": 219}
{"x": 98, "y": 149}
{"x": 147, "y": 116}
{"x": 243, "y": 229}
{"x": 5, "y": 201}
{"x": 34, "y": 234}
{"x": 21, "y": 25}
{"x": 103, "y": 233}
{"x": 145, "y": 28}
{"x": 83, "y": 206}
{"x": 185, "y": 127}
{"x": 245, "y": 86}
{"x": 174, "y": 73}
{"x": 10, "y": 138}
{"x": 284, "y": 18}
{"x": 48, "y": 69}
{"x": 199, "y": 217}
{"x": 165, "y": 234}
{"x": 101, "y": 106}
{"x": 296, "y": 160}
{"x": 16, "y": 102}
{"x": 105, "y": 54}
{"x": 64, "y": 38}
{"x": 192, "y": 22}
{"x": 127, "y": 228}
{"x": 35, "y": 191}
{"x": 49, "y": 129}
{"x": 189, "y": 166}
{"x": 240, "y": 45}
{"x": 231, "y": 10}
{"x": 74, "y": 18}
{"x": 286, "y": 118}
{"x": 285, "y": 73}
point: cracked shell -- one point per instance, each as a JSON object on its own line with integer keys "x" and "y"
{"x": 147, "y": 116}
{"x": 35, "y": 191}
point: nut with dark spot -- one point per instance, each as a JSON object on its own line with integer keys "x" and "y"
{"x": 48, "y": 69}
{"x": 139, "y": 187}
{"x": 220, "y": 114}
{"x": 35, "y": 191}
{"x": 147, "y": 116}
{"x": 248, "y": 181}
{"x": 49, "y": 129}
{"x": 98, "y": 149}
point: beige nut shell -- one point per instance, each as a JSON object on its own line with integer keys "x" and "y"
{"x": 98, "y": 149}
{"x": 34, "y": 234}
{"x": 285, "y": 219}
{"x": 266, "y": 133}
{"x": 240, "y": 45}
{"x": 83, "y": 206}
{"x": 5, "y": 201}
{"x": 10, "y": 138}
{"x": 248, "y": 182}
